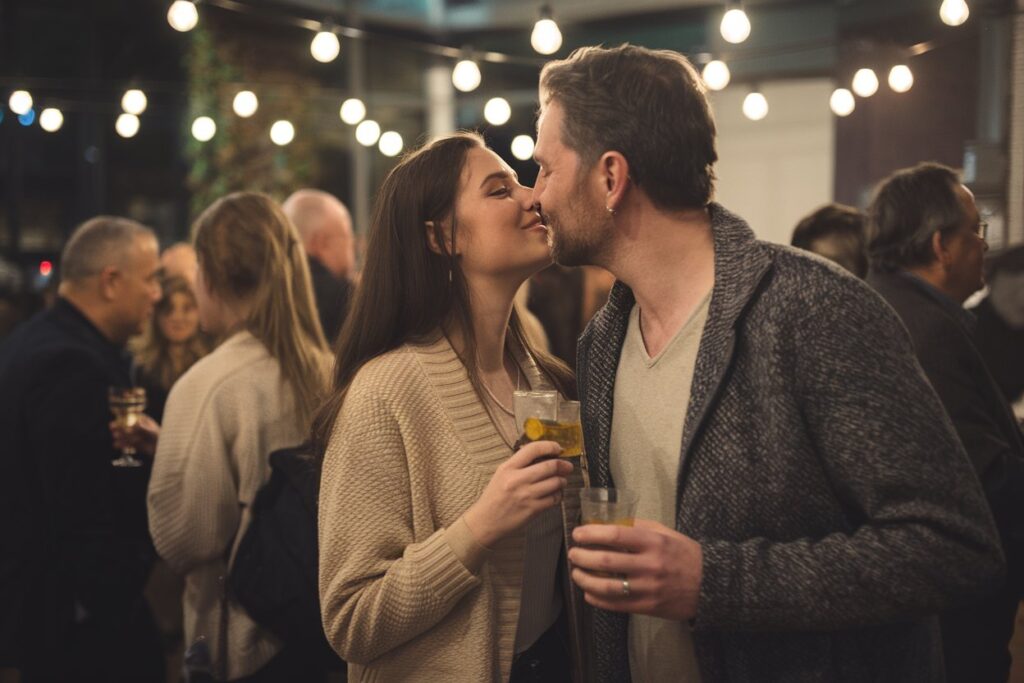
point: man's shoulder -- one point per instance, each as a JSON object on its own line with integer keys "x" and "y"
{"x": 43, "y": 345}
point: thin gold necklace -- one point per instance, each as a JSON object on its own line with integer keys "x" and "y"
{"x": 505, "y": 409}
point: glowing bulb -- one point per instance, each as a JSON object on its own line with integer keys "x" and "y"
{"x": 716, "y": 74}
{"x": 51, "y": 120}
{"x": 735, "y": 26}
{"x": 842, "y": 102}
{"x": 755, "y": 106}
{"x": 466, "y": 75}
{"x": 183, "y": 15}
{"x": 204, "y": 128}
{"x": 497, "y": 111}
{"x": 325, "y": 47}
{"x": 390, "y": 144}
{"x": 245, "y": 103}
{"x": 127, "y": 125}
{"x": 522, "y": 147}
{"x": 20, "y": 102}
{"x": 954, "y": 12}
{"x": 368, "y": 132}
{"x": 546, "y": 37}
{"x": 352, "y": 111}
{"x": 865, "y": 82}
{"x": 282, "y": 132}
{"x": 901, "y": 78}
{"x": 134, "y": 102}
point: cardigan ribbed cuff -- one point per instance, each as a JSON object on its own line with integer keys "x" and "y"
{"x": 442, "y": 569}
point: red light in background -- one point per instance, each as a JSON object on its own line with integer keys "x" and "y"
{"x": 45, "y": 268}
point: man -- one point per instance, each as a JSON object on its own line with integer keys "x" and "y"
{"x": 927, "y": 249}
{"x": 179, "y": 260}
{"x": 75, "y": 550}
{"x": 1000, "y": 332}
{"x": 325, "y": 228}
{"x": 835, "y": 232}
{"x": 804, "y": 502}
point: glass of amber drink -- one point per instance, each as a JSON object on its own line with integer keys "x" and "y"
{"x": 542, "y": 416}
{"x": 608, "y": 506}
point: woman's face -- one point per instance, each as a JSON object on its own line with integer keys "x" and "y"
{"x": 180, "y": 322}
{"x": 498, "y": 233}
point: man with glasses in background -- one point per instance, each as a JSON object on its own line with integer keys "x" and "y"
{"x": 926, "y": 247}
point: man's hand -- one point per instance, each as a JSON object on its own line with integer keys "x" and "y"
{"x": 663, "y": 568}
{"x": 142, "y": 436}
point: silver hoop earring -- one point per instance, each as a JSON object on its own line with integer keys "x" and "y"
{"x": 610, "y": 210}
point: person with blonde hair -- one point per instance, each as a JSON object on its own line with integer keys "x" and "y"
{"x": 253, "y": 395}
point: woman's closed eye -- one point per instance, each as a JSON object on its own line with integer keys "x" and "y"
{"x": 502, "y": 191}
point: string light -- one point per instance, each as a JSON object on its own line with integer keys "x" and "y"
{"x": 325, "y": 46}
{"x": 954, "y": 12}
{"x": 390, "y": 144}
{"x": 546, "y": 37}
{"x": 51, "y": 119}
{"x": 245, "y": 103}
{"x": 28, "y": 118}
{"x": 466, "y": 75}
{"x": 522, "y": 147}
{"x": 755, "y": 106}
{"x": 134, "y": 101}
{"x": 282, "y": 132}
{"x": 842, "y": 102}
{"x": 865, "y": 82}
{"x": 204, "y": 128}
{"x": 367, "y": 133}
{"x": 716, "y": 74}
{"x": 20, "y": 102}
{"x": 735, "y": 26}
{"x": 497, "y": 111}
{"x": 127, "y": 125}
{"x": 183, "y": 15}
{"x": 901, "y": 78}
{"x": 352, "y": 111}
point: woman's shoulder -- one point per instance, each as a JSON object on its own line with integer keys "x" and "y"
{"x": 239, "y": 361}
{"x": 389, "y": 372}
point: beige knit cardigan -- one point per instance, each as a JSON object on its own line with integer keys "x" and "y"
{"x": 223, "y": 419}
{"x": 406, "y": 592}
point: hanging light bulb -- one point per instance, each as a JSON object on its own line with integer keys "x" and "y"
{"x": 735, "y": 25}
{"x": 134, "y": 101}
{"x": 716, "y": 74}
{"x": 127, "y": 125}
{"x": 325, "y": 46}
{"x": 497, "y": 111}
{"x": 20, "y": 102}
{"x": 390, "y": 144}
{"x": 466, "y": 75}
{"x": 901, "y": 78}
{"x": 546, "y": 37}
{"x": 183, "y": 15}
{"x": 954, "y": 12}
{"x": 51, "y": 119}
{"x": 755, "y": 106}
{"x": 865, "y": 82}
{"x": 522, "y": 147}
{"x": 245, "y": 103}
{"x": 352, "y": 111}
{"x": 368, "y": 132}
{"x": 842, "y": 102}
{"x": 204, "y": 128}
{"x": 282, "y": 132}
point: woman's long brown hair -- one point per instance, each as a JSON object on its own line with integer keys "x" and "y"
{"x": 153, "y": 353}
{"x": 407, "y": 290}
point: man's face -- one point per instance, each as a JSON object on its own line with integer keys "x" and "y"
{"x": 568, "y": 196}
{"x": 136, "y": 289}
{"x": 967, "y": 247}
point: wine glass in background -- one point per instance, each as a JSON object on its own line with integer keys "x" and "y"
{"x": 127, "y": 404}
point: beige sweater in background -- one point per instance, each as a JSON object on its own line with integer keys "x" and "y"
{"x": 223, "y": 419}
{"x": 406, "y": 592}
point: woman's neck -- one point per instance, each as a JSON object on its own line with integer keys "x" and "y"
{"x": 491, "y": 304}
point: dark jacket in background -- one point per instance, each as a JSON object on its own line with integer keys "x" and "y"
{"x": 75, "y": 548}
{"x": 975, "y": 637}
{"x": 836, "y": 509}
{"x": 332, "y": 298}
{"x": 556, "y": 298}
{"x": 1002, "y": 348}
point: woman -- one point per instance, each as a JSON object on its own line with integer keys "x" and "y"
{"x": 171, "y": 345}
{"x": 255, "y": 394}
{"x": 440, "y": 547}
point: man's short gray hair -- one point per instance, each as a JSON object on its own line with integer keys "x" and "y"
{"x": 97, "y": 243}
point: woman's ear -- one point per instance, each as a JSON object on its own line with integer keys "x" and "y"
{"x": 437, "y": 233}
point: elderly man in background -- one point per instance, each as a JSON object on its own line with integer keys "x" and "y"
{"x": 325, "y": 226}
{"x": 179, "y": 260}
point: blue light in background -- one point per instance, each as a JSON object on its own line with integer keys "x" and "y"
{"x": 28, "y": 118}
{"x": 1, "y": 115}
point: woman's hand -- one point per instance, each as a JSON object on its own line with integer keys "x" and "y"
{"x": 142, "y": 436}
{"x": 520, "y": 489}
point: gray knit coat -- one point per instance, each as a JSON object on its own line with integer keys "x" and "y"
{"x": 835, "y": 506}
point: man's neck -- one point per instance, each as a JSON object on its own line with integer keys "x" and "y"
{"x": 936, "y": 279}
{"x": 93, "y": 312}
{"x": 668, "y": 260}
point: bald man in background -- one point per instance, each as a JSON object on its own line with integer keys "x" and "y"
{"x": 325, "y": 227}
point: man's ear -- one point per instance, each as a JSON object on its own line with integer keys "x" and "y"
{"x": 614, "y": 169}
{"x": 436, "y": 233}
{"x": 939, "y": 250}
{"x": 108, "y": 280}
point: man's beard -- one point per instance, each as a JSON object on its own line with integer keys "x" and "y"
{"x": 581, "y": 245}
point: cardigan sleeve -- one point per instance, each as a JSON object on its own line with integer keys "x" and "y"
{"x": 193, "y": 493}
{"x": 380, "y": 586}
